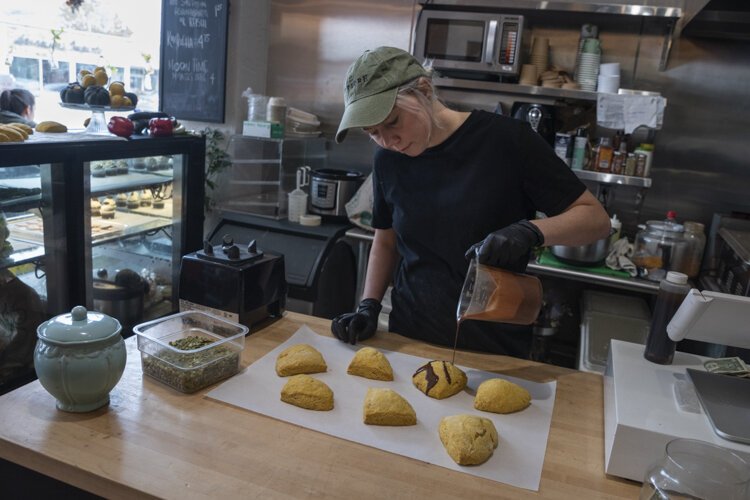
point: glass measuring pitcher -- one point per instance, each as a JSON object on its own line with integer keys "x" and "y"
{"x": 493, "y": 294}
{"x": 693, "y": 469}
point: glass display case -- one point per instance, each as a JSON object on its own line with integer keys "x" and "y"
{"x": 103, "y": 223}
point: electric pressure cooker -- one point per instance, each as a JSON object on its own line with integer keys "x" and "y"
{"x": 331, "y": 189}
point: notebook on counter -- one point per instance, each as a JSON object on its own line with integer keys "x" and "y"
{"x": 726, "y": 401}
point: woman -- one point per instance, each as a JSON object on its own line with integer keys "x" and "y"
{"x": 17, "y": 106}
{"x": 449, "y": 185}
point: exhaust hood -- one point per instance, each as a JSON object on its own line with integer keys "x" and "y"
{"x": 682, "y": 11}
{"x": 722, "y": 19}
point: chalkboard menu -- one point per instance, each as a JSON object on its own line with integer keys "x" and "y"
{"x": 193, "y": 59}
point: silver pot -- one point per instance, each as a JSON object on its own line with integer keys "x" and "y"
{"x": 583, "y": 255}
{"x": 330, "y": 189}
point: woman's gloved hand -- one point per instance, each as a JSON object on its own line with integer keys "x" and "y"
{"x": 508, "y": 248}
{"x": 360, "y": 325}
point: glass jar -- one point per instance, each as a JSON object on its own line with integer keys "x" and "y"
{"x": 656, "y": 247}
{"x": 689, "y": 261}
{"x": 696, "y": 469}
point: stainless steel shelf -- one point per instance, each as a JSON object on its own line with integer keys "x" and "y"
{"x": 622, "y": 180}
{"x": 670, "y": 9}
{"x": 514, "y": 88}
{"x": 632, "y": 284}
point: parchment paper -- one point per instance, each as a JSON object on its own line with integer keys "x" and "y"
{"x": 517, "y": 460}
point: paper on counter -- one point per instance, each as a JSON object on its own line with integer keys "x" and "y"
{"x": 517, "y": 461}
{"x": 628, "y": 111}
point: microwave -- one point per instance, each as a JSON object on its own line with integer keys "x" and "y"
{"x": 474, "y": 44}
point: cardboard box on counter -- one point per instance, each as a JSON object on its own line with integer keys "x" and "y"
{"x": 263, "y": 129}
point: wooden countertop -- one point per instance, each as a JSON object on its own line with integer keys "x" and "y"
{"x": 155, "y": 441}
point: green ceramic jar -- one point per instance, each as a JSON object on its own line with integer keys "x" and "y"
{"x": 79, "y": 357}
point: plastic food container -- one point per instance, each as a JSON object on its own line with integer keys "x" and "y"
{"x": 193, "y": 367}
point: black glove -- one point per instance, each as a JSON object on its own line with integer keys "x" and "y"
{"x": 508, "y": 248}
{"x": 360, "y": 325}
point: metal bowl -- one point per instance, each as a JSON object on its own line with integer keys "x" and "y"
{"x": 584, "y": 255}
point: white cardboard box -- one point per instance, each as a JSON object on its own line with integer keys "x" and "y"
{"x": 641, "y": 414}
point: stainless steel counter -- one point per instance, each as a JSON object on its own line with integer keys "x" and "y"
{"x": 364, "y": 240}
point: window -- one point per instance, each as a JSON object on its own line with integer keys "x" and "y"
{"x": 44, "y": 46}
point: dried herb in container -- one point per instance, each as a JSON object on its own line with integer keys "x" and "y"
{"x": 191, "y": 371}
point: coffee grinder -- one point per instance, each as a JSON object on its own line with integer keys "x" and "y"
{"x": 242, "y": 284}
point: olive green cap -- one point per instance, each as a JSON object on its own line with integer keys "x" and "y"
{"x": 371, "y": 86}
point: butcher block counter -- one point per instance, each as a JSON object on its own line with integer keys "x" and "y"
{"x": 154, "y": 441}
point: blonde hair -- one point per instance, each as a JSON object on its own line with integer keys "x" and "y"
{"x": 424, "y": 92}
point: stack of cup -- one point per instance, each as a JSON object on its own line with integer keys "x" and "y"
{"x": 529, "y": 75}
{"x": 609, "y": 78}
{"x": 587, "y": 31}
{"x": 588, "y": 64}
{"x": 540, "y": 54}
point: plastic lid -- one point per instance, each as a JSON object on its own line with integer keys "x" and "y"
{"x": 310, "y": 220}
{"x": 79, "y": 326}
{"x": 675, "y": 277}
{"x": 671, "y": 215}
{"x": 646, "y": 147}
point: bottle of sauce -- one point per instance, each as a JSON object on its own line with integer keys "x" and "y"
{"x": 672, "y": 291}
{"x": 604, "y": 156}
{"x": 579, "y": 149}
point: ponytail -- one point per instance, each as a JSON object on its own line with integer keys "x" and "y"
{"x": 16, "y": 100}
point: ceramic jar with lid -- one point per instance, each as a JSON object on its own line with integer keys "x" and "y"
{"x": 79, "y": 357}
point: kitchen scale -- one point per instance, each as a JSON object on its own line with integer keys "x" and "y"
{"x": 646, "y": 405}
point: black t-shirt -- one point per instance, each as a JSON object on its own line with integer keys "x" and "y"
{"x": 491, "y": 172}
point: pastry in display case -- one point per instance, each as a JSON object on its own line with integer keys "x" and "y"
{"x": 94, "y": 226}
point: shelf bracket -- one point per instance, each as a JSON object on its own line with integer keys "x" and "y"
{"x": 666, "y": 47}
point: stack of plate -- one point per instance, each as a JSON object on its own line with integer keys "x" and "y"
{"x": 588, "y": 65}
{"x": 301, "y": 124}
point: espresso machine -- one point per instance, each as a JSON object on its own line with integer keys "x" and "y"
{"x": 238, "y": 282}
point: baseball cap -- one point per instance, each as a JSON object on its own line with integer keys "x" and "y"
{"x": 371, "y": 85}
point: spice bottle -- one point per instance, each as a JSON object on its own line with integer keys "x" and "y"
{"x": 604, "y": 156}
{"x": 579, "y": 149}
{"x": 630, "y": 164}
{"x": 672, "y": 291}
{"x": 648, "y": 151}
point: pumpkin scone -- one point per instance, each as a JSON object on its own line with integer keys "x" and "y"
{"x": 307, "y": 392}
{"x": 468, "y": 439}
{"x": 370, "y": 363}
{"x": 439, "y": 379}
{"x": 501, "y": 396}
{"x": 387, "y": 407}
{"x": 300, "y": 358}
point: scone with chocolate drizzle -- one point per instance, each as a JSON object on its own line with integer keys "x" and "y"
{"x": 439, "y": 379}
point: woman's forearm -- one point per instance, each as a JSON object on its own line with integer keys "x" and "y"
{"x": 583, "y": 222}
{"x": 380, "y": 266}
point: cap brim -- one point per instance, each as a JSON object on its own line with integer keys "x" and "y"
{"x": 366, "y": 112}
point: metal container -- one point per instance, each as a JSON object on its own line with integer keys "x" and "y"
{"x": 123, "y": 303}
{"x": 584, "y": 255}
{"x": 330, "y": 189}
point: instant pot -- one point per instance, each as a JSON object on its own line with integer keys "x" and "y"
{"x": 331, "y": 189}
